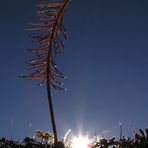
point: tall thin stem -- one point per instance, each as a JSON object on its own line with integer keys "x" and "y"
{"x": 49, "y": 37}
{"x": 51, "y": 111}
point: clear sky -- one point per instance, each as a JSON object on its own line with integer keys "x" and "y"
{"x": 105, "y": 59}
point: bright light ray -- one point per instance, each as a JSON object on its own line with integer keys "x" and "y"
{"x": 80, "y": 142}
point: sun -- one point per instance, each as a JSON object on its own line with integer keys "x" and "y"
{"x": 80, "y": 142}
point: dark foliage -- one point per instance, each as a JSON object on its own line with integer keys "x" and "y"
{"x": 27, "y": 143}
{"x": 140, "y": 140}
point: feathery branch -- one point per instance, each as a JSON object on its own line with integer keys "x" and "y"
{"x": 50, "y": 43}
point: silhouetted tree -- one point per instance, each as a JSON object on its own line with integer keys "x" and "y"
{"x": 49, "y": 37}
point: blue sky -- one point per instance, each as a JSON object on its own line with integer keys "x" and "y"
{"x": 105, "y": 60}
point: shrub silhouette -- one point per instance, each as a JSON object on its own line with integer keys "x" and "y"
{"x": 140, "y": 140}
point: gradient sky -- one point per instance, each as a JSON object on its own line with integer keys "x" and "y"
{"x": 105, "y": 59}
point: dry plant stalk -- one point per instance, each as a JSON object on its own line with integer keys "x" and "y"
{"x": 49, "y": 41}
{"x": 49, "y": 36}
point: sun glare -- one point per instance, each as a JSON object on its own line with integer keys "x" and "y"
{"x": 80, "y": 142}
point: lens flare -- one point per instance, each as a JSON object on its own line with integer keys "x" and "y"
{"x": 80, "y": 142}
{"x": 65, "y": 137}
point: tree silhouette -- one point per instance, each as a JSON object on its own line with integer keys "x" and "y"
{"x": 49, "y": 35}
